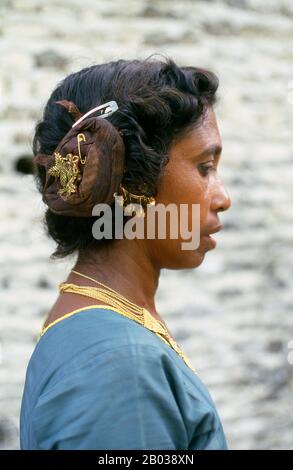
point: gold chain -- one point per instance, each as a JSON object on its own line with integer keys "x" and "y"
{"x": 127, "y": 308}
{"x": 115, "y": 295}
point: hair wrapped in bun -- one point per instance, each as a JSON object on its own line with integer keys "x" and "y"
{"x": 85, "y": 169}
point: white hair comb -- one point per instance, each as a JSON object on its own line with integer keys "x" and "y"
{"x": 106, "y": 110}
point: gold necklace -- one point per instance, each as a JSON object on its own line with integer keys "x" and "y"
{"x": 127, "y": 308}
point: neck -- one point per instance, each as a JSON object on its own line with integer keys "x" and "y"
{"x": 125, "y": 266}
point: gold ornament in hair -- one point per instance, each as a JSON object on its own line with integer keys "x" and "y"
{"x": 67, "y": 169}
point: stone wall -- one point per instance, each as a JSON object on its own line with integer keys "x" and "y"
{"x": 233, "y": 315}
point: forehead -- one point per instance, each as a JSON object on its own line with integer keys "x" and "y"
{"x": 201, "y": 136}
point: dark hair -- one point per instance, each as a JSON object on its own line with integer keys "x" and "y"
{"x": 158, "y": 103}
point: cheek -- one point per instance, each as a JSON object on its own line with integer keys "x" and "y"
{"x": 184, "y": 185}
{"x": 204, "y": 205}
{"x": 181, "y": 184}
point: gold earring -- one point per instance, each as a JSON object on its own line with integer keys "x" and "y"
{"x": 130, "y": 200}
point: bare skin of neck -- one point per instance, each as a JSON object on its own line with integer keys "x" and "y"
{"x": 124, "y": 265}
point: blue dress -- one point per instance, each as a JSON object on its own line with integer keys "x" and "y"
{"x": 99, "y": 380}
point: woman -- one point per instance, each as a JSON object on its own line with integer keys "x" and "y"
{"x": 106, "y": 372}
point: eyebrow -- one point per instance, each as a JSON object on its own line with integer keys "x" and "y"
{"x": 212, "y": 150}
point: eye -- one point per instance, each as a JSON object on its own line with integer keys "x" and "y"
{"x": 206, "y": 168}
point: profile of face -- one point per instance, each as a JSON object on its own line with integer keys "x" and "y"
{"x": 191, "y": 177}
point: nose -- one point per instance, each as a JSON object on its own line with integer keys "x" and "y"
{"x": 221, "y": 200}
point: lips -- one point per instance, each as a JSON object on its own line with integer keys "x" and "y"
{"x": 215, "y": 229}
{"x": 211, "y": 240}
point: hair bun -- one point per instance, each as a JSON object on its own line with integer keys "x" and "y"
{"x": 85, "y": 169}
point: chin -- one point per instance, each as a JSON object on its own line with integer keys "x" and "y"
{"x": 187, "y": 260}
{"x": 177, "y": 258}
{"x": 194, "y": 260}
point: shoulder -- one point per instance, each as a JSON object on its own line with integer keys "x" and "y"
{"x": 102, "y": 328}
{"x": 94, "y": 335}
{"x": 101, "y": 336}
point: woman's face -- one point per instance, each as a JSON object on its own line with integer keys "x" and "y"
{"x": 191, "y": 177}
